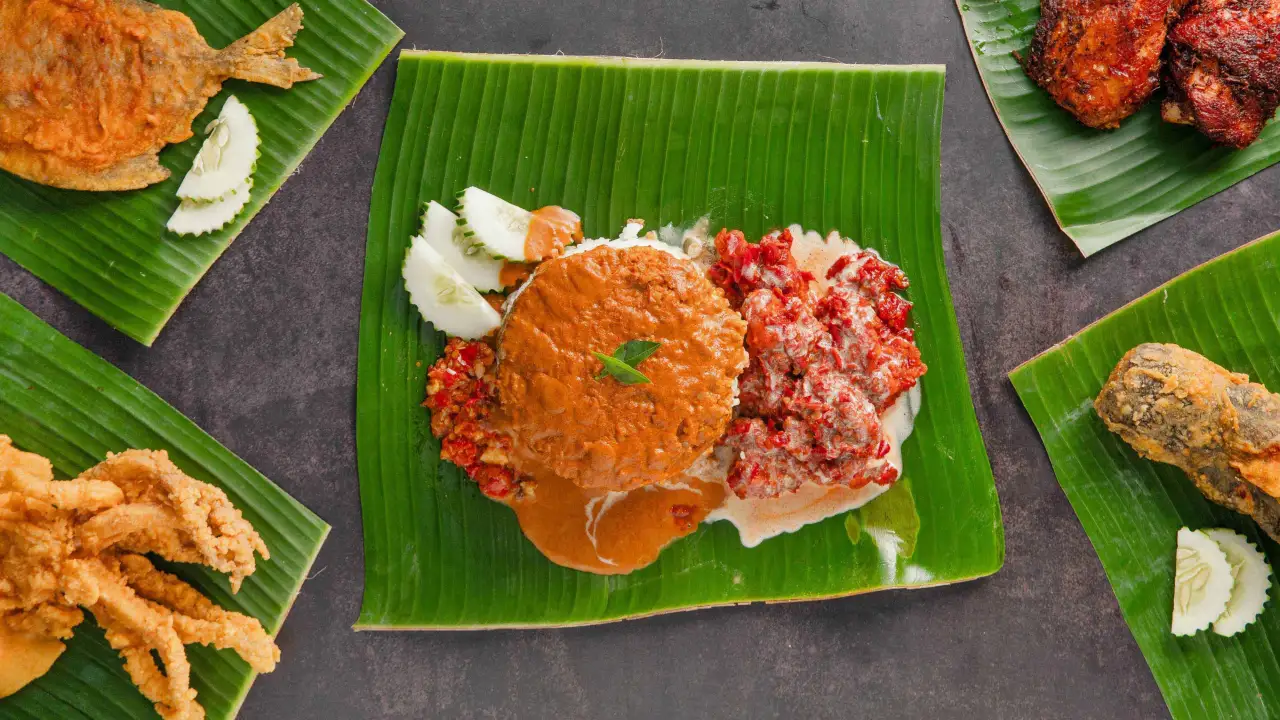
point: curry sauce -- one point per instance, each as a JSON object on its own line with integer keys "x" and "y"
{"x": 609, "y": 532}
{"x": 25, "y": 658}
{"x": 599, "y": 432}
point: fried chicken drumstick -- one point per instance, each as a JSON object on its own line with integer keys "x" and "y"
{"x": 1100, "y": 59}
{"x": 68, "y": 545}
{"x": 1175, "y": 406}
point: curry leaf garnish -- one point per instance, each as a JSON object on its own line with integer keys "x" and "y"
{"x": 633, "y": 352}
{"x": 622, "y": 365}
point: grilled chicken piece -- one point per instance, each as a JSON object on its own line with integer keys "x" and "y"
{"x": 1224, "y": 69}
{"x": 1100, "y": 59}
{"x": 91, "y": 90}
{"x": 1177, "y": 407}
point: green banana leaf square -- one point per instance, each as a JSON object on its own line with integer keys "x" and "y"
{"x": 1132, "y": 508}
{"x": 1102, "y": 185}
{"x": 110, "y": 252}
{"x": 754, "y": 145}
{"x": 65, "y": 403}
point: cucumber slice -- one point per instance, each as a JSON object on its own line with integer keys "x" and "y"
{"x": 227, "y": 157}
{"x": 198, "y": 218}
{"x": 443, "y": 297}
{"x": 1202, "y": 583}
{"x": 440, "y": 230}
{"x": 493, "y": 226}
{"x": 1252, "y": 576}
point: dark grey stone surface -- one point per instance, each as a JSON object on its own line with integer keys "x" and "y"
{"x": 263, "y": 356}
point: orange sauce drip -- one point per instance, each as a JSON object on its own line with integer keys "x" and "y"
{"x": 629, "y": 533}
{"x": 24, "y": 658}
{"x": 551, "y": 229}
{"x": 513, "y": 272}
{"x": 495, "y": 300}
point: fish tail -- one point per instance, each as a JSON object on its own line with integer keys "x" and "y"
{"x": 259, "y": 56}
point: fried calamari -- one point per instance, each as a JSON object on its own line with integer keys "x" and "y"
{"x": 72, "y": 544}
{"x": 92, "y": 90}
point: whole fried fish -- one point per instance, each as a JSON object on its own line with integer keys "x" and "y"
{"x": 1175, "y": 406}
{"x": 92, "y": 90}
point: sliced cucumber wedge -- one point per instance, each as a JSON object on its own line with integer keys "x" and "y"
{"x": 227, "y": 158}
{"x": 1252, "y": 577}
{"x": 440, "y": 230}
{"x": 198, "y": 218}
{"x": 1202, "y": 583}
{"x": 493, "y": 226}
{"x": 443, "y": 297}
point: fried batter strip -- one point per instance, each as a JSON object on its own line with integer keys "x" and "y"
{"x": 72, "y": 544}
{"x": 201, "y": 526}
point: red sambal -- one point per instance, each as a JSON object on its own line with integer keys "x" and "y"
{"x": 822, "y": 369}
{"x": 460, "y": 397}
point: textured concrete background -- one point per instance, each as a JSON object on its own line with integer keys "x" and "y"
{"x": 263, "y": 356}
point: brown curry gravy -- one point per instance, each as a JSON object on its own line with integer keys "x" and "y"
{"x": 630, "y": 529}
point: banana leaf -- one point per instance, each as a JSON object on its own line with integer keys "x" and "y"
{"x": 1102, "y": 185}
{"x": 1131, "y": 508}
{"x": 755, "y": 145}
{"x": 110, "y": 252}
{"x": 61, "y": 401}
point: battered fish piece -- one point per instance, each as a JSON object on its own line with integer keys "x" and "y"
{"x": 1175, "y": 406}
{"x": 92, "y": 90}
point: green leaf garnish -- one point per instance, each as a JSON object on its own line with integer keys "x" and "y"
{"x": 620, "y": 371}
{"x": 633, "y": 352}
{"x": 622, "y": 364}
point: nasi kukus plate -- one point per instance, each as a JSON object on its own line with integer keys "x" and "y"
{"x": 1132, "y": 508}
{"x": 63, "y": 402}
{"x": 1102, "y": 185}
{"x": 754, "y": 145}
{"x": 110, "y": 252}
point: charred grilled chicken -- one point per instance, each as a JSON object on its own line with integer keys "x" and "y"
{"x": 1224, "y": 69}
{"x": 1177, "y": 407}
{"x": 1100, "y": 59}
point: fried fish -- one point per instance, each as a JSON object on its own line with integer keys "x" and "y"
{"x": 1175, "y": 406}
{"x": 92, "y": 90}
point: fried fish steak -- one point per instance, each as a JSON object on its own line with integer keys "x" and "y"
{"x": 1224, "y": 69}
{"x": 92, "y": 90}
{"x": 1177, "y": 407}
{"x": 1100, "y": 59}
